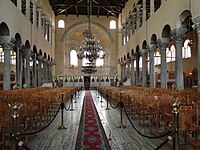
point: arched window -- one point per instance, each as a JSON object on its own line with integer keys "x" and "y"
{"x": 173, "y": 52}
{"x": 112, "y": 24}
{"x": 186, "y": 50}
{"x": 61, "y": 24}
{"x": 99, "y": 62}
{"x": 1, "y": 54}
{"x": 168, "y": 55}
{"x": 12, "y": 57}
{"x": 85, "y": 62}
{"x": 157, "y": 58}
{"x": 73, "y": 58}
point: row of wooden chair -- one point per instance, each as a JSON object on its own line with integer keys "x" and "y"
{"x": 39, "y": 107}
{"x": 153, "y": 108}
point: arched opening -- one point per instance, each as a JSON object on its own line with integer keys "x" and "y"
{"x": 61, "y": 24}
{"x": 112, "y": 24}
{"x": 73, "y": 58}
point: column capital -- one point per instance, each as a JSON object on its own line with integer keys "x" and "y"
{"x": 138, "y": 6}
{"x": 44, "y": 59}
{"x": 196, "y": 19}
{"x": 144, "y": 51}
{"x": 133, "y": 57}
{"x": 177, "y": 37}
{"x": 40, "y": 9}
{"x": 6, "y": 42}
{"x": 178, "y": 33}
{"x": 196, "y": 26}
{"x": 133, "y": 13}
{"x": 153, "y": 47}
{"x": 44, "y": 16}
{"x": 161, "y": 44}
{"x": 34, "y": 1}
{"x": 27, "y": 52}
{"x": 39, "y": 57}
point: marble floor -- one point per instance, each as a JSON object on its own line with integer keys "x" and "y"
{"x": 120, "y": 138}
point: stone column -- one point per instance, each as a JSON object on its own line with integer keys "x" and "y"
{"x": 144, "y": 11}
{"x": 48, "y": 70}
{"x": 132, "y": 70}
{"x": 138, "y": 16}
{"x": 44, "y": 25}
{"x": 34, "y": 12}
{"x": 35, "y": 70}
{"x": 45, "y": 70}
{"x": 27, "y": 53}
{"x": 144, "y": 67}
{"x": 129, "y": 28}
{"x": 50, "y": 33}
{"x": 133, "y": 22}
{"x": 163, "y": 74}
{"x": 137, "y": 68}
{"x": 7, "y": 46}
{"x": 28, "y": 9}
{"x": 39, "y": 57}
{"x": 39, "y": 18}
{"x": 128, "y": 68}
{"x": 19, "y": 4}
{"x": 18, "y": 65}
{"x": 152, "y": 67}
{"x": 6, "y": 68}
{"x": 47, "y": 30}
{"x": 179, "y": 63}
{"x": 122, "y": 64}
{"x": 151, "y": 7}
{"x": 126, "y": 32}
{"x": 196, "y": 21}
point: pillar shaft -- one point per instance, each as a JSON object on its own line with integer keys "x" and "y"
{"x": 34, "y": 13}
{"x": 138, "y": 17}
{"x": 144, "y": 67}
{"x": 179, "y": 63}
{"x": 151, "y": 7}
{"x": 27, "y": 71}
{"x": 28, "y": 9}
{"x": 152, "y": 67}
{"x": 144, "y": 11}
{"x": 39, "y": 70}
{"x": 137, "y": 68}
{"x": 196, "y": 21}
{"x": 6, "y": 68}
{"x": 133, "y": 22}
{"x": 18, "y": 66}
{"x": 34, "y": 70}
{"x": 132, "y": 71}
{"x": 163, "y": 75}
{"x": 19, "y": 4}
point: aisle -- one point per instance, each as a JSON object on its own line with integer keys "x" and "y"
{"x": 91, "y": 134}
{"x": 54, "y": 139}
{"x": 119, "y": 139}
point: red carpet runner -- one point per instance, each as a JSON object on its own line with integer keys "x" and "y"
{"x": 91, "y": 135}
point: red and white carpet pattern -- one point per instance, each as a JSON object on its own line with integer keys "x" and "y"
{"x": 91, "y": 135}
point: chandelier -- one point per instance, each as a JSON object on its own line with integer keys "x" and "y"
{"x": 91, "y": 49}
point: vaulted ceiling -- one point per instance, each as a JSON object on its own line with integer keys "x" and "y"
{"x": 81, "y": 7}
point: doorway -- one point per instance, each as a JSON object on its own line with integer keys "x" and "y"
{"x": 87, "y": 82}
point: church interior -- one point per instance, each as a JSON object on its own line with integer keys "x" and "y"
{"x": 99, "y": 74}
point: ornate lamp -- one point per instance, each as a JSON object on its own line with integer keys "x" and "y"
{"x": 91, "y": 49}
